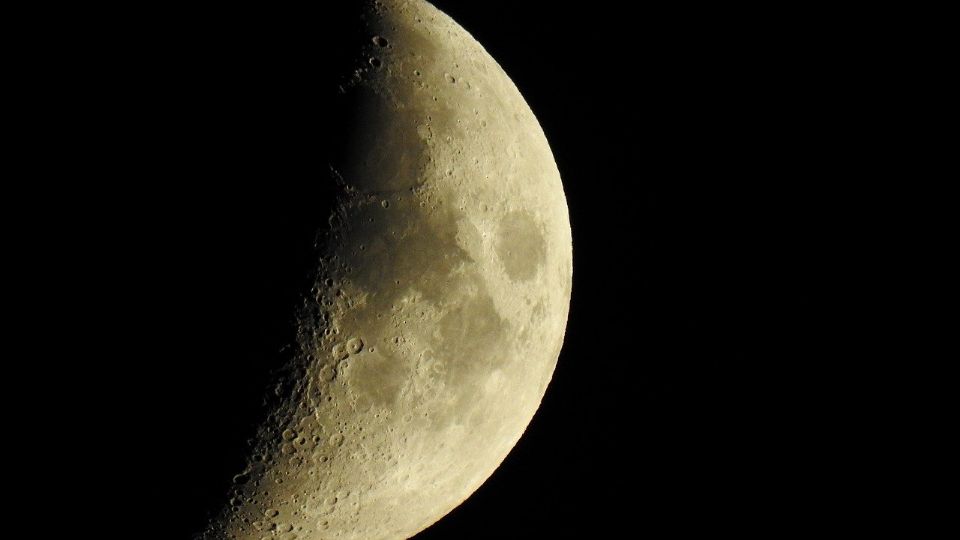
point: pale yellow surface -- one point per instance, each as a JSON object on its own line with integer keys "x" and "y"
{"x": 440, "y": 310}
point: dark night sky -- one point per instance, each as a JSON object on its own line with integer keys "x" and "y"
{"x": 691, "y": 143}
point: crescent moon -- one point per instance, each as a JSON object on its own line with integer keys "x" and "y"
{"x": 440, "y": 303}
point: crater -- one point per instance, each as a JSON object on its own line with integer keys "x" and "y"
{"x": 520, "y": 246}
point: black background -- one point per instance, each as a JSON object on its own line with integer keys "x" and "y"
{"x": 696, "y": 147}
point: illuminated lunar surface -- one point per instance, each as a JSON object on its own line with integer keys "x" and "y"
{"x": 440, "y": 302}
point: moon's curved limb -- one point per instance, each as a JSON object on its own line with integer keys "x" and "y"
{"x": 440, "y": 305}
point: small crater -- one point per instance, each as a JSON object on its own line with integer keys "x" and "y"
{"x": 375, "y": 62}
{"x": 380, "y": 41}
{"x": 327, "y": 373}
{"x": 355, "y": 345}
{"x": 450, "y": 78}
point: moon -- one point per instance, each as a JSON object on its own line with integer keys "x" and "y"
{"x": 440, "y": 304}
